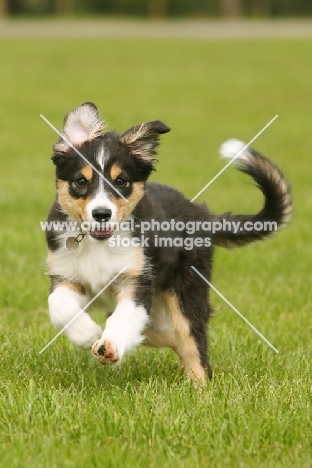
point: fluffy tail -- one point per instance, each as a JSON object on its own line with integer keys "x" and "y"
{"x": 277, "y": 210}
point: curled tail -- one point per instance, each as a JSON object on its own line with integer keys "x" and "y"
{"x": 277, "y": 209}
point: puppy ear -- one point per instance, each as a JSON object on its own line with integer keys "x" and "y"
{"x": 81, "y": 124}
{"x": 142, "y": 140}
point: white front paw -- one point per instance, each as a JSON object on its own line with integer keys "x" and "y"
{"x": 106, "y": 351}
{"x": 83, "y": 331}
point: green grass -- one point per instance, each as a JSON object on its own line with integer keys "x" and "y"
{"x": 61, "y": 409}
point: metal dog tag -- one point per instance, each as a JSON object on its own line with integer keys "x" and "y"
{"x": 72, "y": 243}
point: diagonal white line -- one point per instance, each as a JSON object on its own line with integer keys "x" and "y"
{"x": 82, "y": 156}
{"x": 235, "y": 310}
{"x": 82, "y": 310}
{"x": 235, "y": 157}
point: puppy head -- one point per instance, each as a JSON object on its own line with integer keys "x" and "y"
{"x": 100, "y": 176}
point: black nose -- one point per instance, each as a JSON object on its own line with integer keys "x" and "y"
{"x": 101, "y": 214}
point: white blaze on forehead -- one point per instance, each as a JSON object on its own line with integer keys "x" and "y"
{"x": 102, "y": 157}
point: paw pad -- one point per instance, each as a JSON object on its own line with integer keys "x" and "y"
{"x": 105, "y": 353}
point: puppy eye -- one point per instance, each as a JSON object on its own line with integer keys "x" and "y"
{"x": 82, "y": 182}
{"x": 121, "y": 182}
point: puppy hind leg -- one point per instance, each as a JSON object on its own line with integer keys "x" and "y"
{"x": 191, "y": 345}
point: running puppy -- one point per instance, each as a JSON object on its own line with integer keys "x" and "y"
{"x": 101, "y": 182}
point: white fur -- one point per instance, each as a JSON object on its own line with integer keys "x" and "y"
{"x": 231, "y": 148}
{"x": 83, "y": 124}
{"x": 64, "y": 305}
{"x": 101, "y": 200}
{"x": 102, "y": 157}
{"x": 94, "y": 263}
{"x": 125, "y": 326}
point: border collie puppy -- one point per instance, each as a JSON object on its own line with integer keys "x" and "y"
{"x": 101, "y": 182}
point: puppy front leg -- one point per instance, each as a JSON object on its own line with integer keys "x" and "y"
{"x": 65, "y": 303}
{"x": 123, "y": 331}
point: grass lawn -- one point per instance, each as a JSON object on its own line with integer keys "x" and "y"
{"x": 61, "y": 408}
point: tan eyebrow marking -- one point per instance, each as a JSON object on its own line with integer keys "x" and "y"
{"x": 87, "y": 172}
{"x": 115, "y": 171}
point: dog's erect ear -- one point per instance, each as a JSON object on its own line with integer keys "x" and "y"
{"x": 142, "y": 140}
{"x": 81, "y": 124}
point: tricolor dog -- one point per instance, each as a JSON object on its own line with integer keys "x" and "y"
{"x": 101, "y": 186}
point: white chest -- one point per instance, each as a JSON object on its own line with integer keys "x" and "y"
{"x": 94, "y": 263}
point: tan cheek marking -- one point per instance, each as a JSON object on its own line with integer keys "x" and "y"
{"x": 74, "y": 207}
{"x": 185, "y": 345}
{"x": 82, "y": 205}
{"x": 87, "y": 172}
{"x": 115, "y": 171}
{"x": 124, "y": 209}
{"x": 68, "y": 203}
